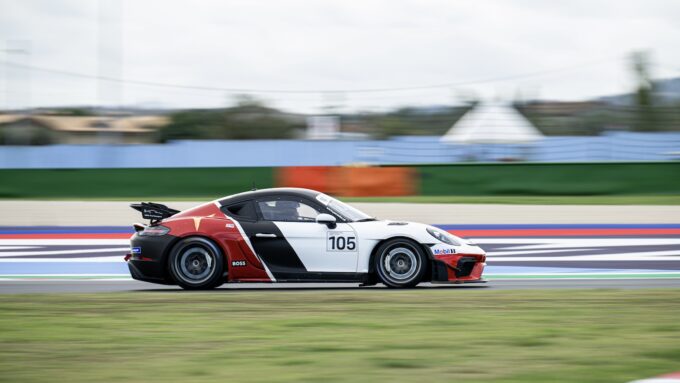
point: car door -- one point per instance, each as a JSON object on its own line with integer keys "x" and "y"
{"x": 295, "y": 246}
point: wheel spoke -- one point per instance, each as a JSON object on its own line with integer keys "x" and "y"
{"x": 400, "y": 263}
{"x": 195, "y": 264}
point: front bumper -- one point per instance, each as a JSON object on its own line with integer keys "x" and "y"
{"x": 458, "y": 268}
{"x": 459, "y": 282}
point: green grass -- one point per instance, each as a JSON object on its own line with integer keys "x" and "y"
{"x": 512, "y": 200}
{"x": 440, "y": 335}
{"x": 532, "y": 200}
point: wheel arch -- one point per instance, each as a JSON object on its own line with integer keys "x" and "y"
{"x": 371, "y": 260}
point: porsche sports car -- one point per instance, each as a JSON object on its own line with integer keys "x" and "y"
{"x": 292, "y": 235}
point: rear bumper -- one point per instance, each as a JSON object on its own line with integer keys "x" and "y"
{"x": 148, "y": 271}
{"x": 147, "y": 262}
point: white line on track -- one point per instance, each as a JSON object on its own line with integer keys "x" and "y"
{"x": 670, "y": 255}
{"x": 556, "y": 242}
{"x": 521, "y": 252}
{"x": 62, "y": 242}
{"x": 62, "y": 252}
{"x": 110, "y": 258}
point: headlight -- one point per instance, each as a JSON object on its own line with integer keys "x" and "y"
{"x": 153, "y": 231}
{"x": 442, "y": 236}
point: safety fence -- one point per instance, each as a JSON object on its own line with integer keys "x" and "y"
{"x": 621, "y": 146}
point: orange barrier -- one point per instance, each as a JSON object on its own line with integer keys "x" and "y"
{"x": 309, "y": 177}
{"x": 351, "y": 181}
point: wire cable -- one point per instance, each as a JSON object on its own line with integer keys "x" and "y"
{"x": 516, "y": 76}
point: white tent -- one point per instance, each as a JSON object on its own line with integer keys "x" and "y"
{"x": 492, "y": 123}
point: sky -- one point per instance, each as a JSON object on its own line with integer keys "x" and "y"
{"x": 309, "y": 56}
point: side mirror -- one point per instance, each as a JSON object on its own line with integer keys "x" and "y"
{"x": 327, "y": 220}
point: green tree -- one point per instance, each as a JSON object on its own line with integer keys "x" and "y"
{"x": 249, "y": 119}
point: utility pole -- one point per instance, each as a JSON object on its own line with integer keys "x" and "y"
{"x": 110, "y": 47}
{"x": 17, "y": 75}
{"x": 18, "y": 80}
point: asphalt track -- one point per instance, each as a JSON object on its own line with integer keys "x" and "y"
{"x": 520, "y": 256}
{"x": 101, "y": 213}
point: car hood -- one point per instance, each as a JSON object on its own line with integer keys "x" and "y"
{"x": 383, "y": 229}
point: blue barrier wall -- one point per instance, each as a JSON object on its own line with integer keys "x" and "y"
{"x": 620, "y": 146}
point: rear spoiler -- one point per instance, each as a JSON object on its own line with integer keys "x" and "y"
{"x": 154, "y": 212}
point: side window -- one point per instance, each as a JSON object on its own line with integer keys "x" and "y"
{"x": 241, "y": 211}
{"x": 287, "y": 210}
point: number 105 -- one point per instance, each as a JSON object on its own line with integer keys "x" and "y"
{"x": 342, "y": 243}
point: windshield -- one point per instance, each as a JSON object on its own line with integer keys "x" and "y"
{"x": 344, "y": 210}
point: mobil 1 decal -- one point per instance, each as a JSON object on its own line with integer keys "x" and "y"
{"x": 341, "y": 241}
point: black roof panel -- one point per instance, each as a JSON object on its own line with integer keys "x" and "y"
{"x": 253, "y": 194}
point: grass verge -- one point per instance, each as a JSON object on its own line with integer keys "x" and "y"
{"x": 439, "y": 335}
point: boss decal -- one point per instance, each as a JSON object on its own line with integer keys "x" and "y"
{"x": 238, "y": 263}
{"x": 341, "y": 241}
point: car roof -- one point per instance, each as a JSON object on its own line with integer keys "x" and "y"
{"x": 272, "y": 192}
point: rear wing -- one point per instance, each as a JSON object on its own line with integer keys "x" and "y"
{"x": 154, "y": 212}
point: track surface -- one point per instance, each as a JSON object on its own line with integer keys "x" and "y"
{"x": 100, "y": 213}
{"x": 97, "y": 286}
{"x": 89, "y": 259}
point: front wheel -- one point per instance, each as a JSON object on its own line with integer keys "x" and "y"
{"x": 196, "y": 264}
{"x": 400, "y": 263}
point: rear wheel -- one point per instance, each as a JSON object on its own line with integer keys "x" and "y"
{"x": 196, "y": 264}
{"x": 400, "y": 263}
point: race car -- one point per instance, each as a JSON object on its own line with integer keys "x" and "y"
{"x": 292, "y": 235}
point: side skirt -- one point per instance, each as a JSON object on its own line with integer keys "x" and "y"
{"x": 320, "y": 277}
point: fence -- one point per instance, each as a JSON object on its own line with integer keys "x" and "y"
{"x": 621, "y": 146}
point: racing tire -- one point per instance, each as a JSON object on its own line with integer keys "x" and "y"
{"x": 400, "y": 263}
{"x": 196, "y": 263}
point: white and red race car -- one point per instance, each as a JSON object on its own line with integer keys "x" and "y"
{"x": 293, "y": 235}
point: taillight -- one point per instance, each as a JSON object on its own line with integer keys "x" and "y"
{"x": 154, "y": 231}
